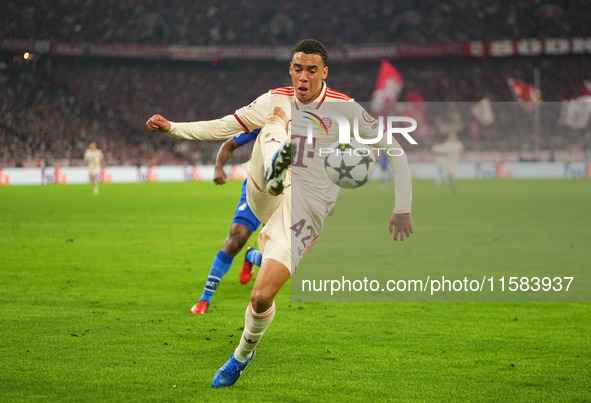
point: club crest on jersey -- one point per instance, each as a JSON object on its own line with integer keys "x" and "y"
{"x": 327, "y": 122}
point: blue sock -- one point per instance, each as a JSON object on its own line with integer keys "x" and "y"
{"x": 220, "y": 266}
{"x": 254, "y": 256}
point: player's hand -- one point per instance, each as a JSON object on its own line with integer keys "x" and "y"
{"x": 157, "y": 123}
{"x": 401, "y": 224}
{"x": 219, "y": 177}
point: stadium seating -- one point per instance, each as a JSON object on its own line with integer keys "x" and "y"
{"x": 210, "y": 22}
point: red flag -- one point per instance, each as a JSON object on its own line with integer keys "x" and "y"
{"x": 523, "y": 91}
{"x": 586, "y": 90}
{"x": 388, "y": 87}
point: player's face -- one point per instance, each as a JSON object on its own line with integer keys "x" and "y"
{"x": 307, "y": 72}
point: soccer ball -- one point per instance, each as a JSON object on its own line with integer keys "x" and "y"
{"x": 350, "y": 165}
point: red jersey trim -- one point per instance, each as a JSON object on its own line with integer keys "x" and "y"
{"x": 336, "y": 94}
{"x": 242, "y": 123}
{"x": 339, "y": 98}
{"x": 283, "y": 91}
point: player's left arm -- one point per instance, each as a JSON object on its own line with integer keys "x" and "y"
{"x": 226, "y": 150}
{"x": 224, "y": 154}
{"x": 400, "y": 224}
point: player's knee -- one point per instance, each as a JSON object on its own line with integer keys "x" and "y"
{"x": 261, "y": 299}
{"x": 280, "y": 113}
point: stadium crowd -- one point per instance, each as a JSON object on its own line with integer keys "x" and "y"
{"x": 211, "y": 22}
{"x": 53, "y": 110}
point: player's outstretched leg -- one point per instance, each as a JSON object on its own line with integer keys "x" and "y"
{"x": 268, "y": 163}
{"x": 276, "y": 171}
{"x": 251, "y": 258}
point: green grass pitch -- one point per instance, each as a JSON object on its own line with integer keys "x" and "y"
{"x": 95, "y": 294}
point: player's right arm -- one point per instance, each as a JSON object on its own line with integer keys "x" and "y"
{"x": 245, "y": 119}
{"x": 217, "y": 129}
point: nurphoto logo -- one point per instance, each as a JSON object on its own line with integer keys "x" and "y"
{"x": 345, "y": 128}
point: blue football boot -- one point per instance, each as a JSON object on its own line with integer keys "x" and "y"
{"x": 230, "y": 372}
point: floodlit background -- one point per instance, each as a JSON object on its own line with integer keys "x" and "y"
{"x": 95, "y": 291}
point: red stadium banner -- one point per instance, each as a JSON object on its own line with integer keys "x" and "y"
{"x": 586, "y": 88}
{"x": 69, "y": 49}
{"x": 479, "y": 49}
{"x": 128, "y": 51}
{"x": 403, "y": 51}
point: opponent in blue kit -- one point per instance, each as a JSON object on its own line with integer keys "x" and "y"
{"x": 244, "y": 224}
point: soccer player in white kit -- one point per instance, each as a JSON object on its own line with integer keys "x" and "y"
{"x": 447, "y": 157}
{"x": 287, "y": 186}
{"x": 94, "y": 158}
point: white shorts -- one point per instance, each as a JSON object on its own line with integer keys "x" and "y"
{"x": 293, "y": 220}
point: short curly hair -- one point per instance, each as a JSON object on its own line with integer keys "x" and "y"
{"x": 311, "y": 47}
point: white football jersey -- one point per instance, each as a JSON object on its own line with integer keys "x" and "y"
{"x": 93, "y": 158}
{"x": 308, "y": 166}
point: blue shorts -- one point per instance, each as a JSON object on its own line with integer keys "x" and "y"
{"x": 244, "y": 215}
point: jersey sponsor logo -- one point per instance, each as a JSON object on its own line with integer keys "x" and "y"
{"x": 318, "y": 121}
